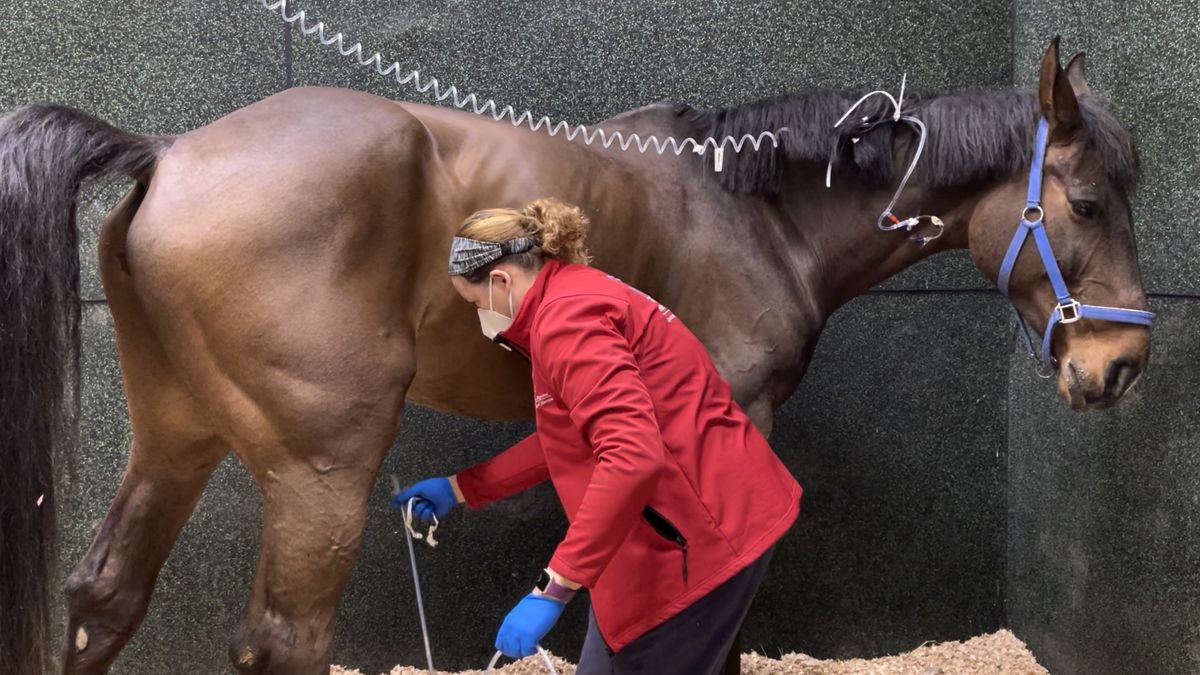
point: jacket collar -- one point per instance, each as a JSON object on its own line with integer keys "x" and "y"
{"x": 518, "y": 334}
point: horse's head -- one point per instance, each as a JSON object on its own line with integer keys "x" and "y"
{"x": 1089, "y": 169}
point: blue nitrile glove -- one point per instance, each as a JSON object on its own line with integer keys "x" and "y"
{"x": 527, "y": 624}
{"x": 435, "y": 497}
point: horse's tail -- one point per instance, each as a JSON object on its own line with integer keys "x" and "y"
{"x": 46, "y": 152}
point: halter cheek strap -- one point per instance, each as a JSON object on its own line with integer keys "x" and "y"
{"x": 1068, "y": 309}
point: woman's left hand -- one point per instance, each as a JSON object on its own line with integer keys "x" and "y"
{"x": 527, "y": 624}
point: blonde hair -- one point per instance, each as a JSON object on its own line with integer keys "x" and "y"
{"x": 557, "y": 227}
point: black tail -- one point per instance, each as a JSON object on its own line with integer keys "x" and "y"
{"x": 46, "y": 152}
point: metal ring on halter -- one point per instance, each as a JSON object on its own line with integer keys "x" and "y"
{"x": 542, "y": 652}
{"x": 1042, "y": 370}
{"x": 1041, "y": 214}
{"x": 1075, "y": 315}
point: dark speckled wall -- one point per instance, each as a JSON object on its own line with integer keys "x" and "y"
{"x": 947, "y": 491}
{"x": 1104, "y": 510}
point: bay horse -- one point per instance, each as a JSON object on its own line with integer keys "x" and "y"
{"x": 277, "y": 283}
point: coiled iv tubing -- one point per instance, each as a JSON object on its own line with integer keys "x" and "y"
{"x": 588, "y": 135}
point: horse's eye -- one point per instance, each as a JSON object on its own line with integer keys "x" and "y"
{"x": 1083, "y": 209}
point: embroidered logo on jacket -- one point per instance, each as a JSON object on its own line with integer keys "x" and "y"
{"x": 662, "y": 309}
{"x": 541, "y": 400}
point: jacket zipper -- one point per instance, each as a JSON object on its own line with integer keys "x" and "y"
{"x": 511, "y": 346}
{"x": 668, "y": 531}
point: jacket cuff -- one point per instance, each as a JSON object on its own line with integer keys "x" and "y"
{"x": 458, "y": 495}
{"x": 468, "y": 487}
{"x": 566, "y": 569}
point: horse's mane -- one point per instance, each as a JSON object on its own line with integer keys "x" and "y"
{"x": 972, "y": 137}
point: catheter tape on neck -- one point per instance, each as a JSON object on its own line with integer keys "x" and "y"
{"x": 887, "y": 220}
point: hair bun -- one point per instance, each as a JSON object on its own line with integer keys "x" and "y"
{"x": 560, "y": 228}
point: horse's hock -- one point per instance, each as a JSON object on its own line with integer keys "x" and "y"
{"x": 949, "y": 493}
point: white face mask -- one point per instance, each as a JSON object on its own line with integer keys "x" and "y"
{"x": 492, "y": 322}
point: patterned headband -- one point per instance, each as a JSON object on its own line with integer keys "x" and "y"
{"x": 468, "y": 255}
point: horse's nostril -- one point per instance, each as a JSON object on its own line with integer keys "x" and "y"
{"x": 1120, "y": 376}
{"x": 1073, "y": 374}
{"x": 1074, "y": 386}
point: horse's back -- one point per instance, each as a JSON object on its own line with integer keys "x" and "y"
{"x": 263, "y": 168}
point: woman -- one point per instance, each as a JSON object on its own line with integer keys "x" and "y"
{"x": 675, "y": 500}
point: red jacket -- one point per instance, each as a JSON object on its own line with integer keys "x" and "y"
{"x": 669, "y": 488}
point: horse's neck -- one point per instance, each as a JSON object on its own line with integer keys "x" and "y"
{"x": 847, "y": 254}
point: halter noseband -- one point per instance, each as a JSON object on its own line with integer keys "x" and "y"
{"x": 1068, "y": 309}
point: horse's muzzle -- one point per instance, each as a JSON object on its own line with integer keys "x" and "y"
{"x": 1088, "y": 393}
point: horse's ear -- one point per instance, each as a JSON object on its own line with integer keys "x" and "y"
{"x": 1075, "y": 75}
{"x": 1060, "y": 107}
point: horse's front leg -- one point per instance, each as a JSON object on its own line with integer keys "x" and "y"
{"x": 762, "y": 358}
{"x": 762, "y": 386}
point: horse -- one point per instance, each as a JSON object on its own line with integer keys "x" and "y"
{"x": 279, "y": 291}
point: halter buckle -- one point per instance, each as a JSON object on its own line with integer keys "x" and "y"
{"x": 1069, "y": 312}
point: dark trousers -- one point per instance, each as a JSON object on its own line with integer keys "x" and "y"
{"x": 694, "y": 642}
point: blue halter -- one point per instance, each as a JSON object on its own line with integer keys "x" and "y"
{"x": 1068, "y": 310}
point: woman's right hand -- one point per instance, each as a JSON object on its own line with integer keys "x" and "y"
{"x": 435, "y": 497}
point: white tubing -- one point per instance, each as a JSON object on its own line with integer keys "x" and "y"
{"x": 526, "y": 118}
{"x": 542, "y": 652}
{"x": 412, "y": 533}
{"x": 896, "y": 116}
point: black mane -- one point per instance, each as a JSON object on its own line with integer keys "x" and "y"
{"x": 972, "y": 137}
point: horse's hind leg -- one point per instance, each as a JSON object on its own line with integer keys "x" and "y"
{"x": 174, "y": 452}
{"x": 314, "y": 437}
{"x": 314, "y": 510}
{"x": 110, "y": 589}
